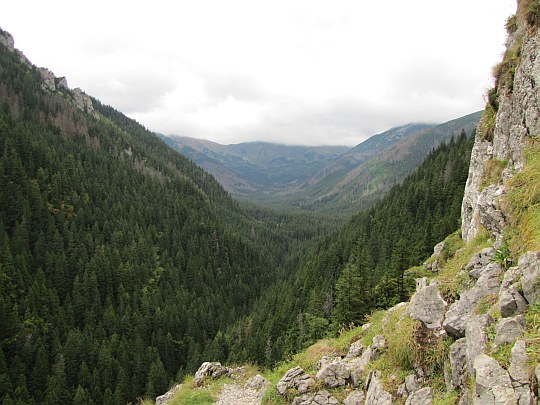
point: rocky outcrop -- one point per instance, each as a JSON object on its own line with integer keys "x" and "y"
{"x": 320, "y": 398}
{"x": 423, "y": 396}
{"x": 209, "y": 370}
{"x": 356, "y": 397}
{"x": 428, "y": 306}
{"x": 6, "y": 39}
{"x": 163, "y": 399}
{"x": 376, "y": 394}
{"x": 295, "y": 378}
{"x": 530, "y": 268}
{"x": 334, "y": 374}
{"x": 508, "y": 330}
{"x": 493, "y": 384}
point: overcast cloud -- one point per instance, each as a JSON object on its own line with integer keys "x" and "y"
{"x": 290, "y": 71}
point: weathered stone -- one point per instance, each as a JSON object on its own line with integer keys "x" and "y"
{"x": 320, "y": 398}
{"x": 493, "y": 385}
{"x": 511, "y": 302}
{"x": 410, "y": 385}
{"x": 376, "y": 394}
{"x": 163, "y": 399}
{"x": 84, "y": 102}
{"x": 6, "y": 39}
{"x": 479, "y": 261}
{"x": 530, "y": 267}
{"x": 428, "y": 306}
{"x": 326, "y": 360}
{"x": 334, "y": 375}
{"x": 508, "y": 330}
{"x": 458, "y": 362}
{"x": 458, "y": 314}
{"x": 356, "y": 397}
{"x": 61, "y": 82}
{"x": 489, "y": 208}
{"x": 422, "y": 396}
{"x": 366, "y": 326}
{"x": 355, "y": 350}
{"x": 48, "y": 78}
{"x": 379, "y": 343}
{"x": 476, "y": 338}
{"x": 295, "y": 378}
{"x": 257, "y": 382}
{"x": 212, "y": 370}
{"x": 519, "y": 374}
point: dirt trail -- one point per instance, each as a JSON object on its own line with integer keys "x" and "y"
{"x": 233, "y": 394}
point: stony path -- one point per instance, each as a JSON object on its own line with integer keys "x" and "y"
{"x": 233, "y": 394}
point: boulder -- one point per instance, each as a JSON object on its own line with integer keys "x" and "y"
{"x": 212, "y": 370}
{"x": 409, "y": 386}
{"x": 376, "y": 394}
{"x": 422, "y": 396}
{"x": 334, "y": 375}
{"x": 479, "y": 261}
{"x": 508, "y": 330}
{"x": 355, "y": 350}
{"x": 320, "y": 398}
{"x": 458, "y": 363}
{"x": 355, "y": 397}
{"x": 295, "y": 378}
{"x": 428, "y": 306}
{"x": 257, "y": 383}
{"x": 530, "y": 267}
{"x": 511, "y": 302}
{"x": 493, "y": 384}
{"x": 519, "y": 373}
{"x": 458, "y": 314}
{"x": 476, "y": 338}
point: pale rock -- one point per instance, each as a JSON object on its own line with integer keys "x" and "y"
{"x": 295, "y": 378}
{"x": 355, "y": 397}
{"x": 61, "y": 82}
{"x": 376, "y": 394}
{"x": 208, "y": 369}
{"x": 458, "y": 314}
{"x": 423, "y": 396}
{"x": 83, "y": 102}
{"x": 163, "y": 399}
{"x": 493, "y": 384}
{"x": 355, "y": 350}
{"x": 409, "y": 386}
{"x": 476, "y": 338}
{"x": 366, "y": 326}
{"x": 326, "y": 360}
{"x": 458, "y": 363}
{"x": 519, "y": 373}
{"x": 48, "y": 78}
{"x": 334, "y": 375}
{"x": 479, "y": 261}
{"x": 257, "y": 383}
{"x": 428, "y": 306}
{"x": 379, "y": 344}
{"x": 6, "y": 39}
{"x": 320, "y": 398}
{"x": 530, "y": 267}
{"x": 489, "y": 208}
{"x": 508, "y": 330}
{"x": 511, "y": 302}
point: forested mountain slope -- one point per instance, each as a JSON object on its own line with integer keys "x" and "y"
{"x": 119, "y": 259}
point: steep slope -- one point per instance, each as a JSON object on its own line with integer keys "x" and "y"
{"x": 256, "y": 169}
{"x": 120, "y": 260}
{"x": 363, "y": 175}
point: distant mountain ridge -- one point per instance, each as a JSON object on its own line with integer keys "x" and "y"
{"x": 332, "y": 179}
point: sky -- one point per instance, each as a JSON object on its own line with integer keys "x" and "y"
{"x": 307, "y": 72}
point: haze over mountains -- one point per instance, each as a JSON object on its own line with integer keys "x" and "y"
{"x": 321, "y": 178}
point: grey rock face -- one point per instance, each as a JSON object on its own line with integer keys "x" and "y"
{"x": 489, "y": 208}
{"x": 511, "y": 302}
{"x": 479, "y": 261}
{"x": 423, "y": 396}
{"x": 83, "y": 102}
{"x": 212, "y": 370}
{"x": 530, "y": 267}
{"x": 410, "y": 385}
{"x": 6, "y": 39}
{"x": 334, "y": 375}
{"x": 519, "y": 373}
{"x": 476, "y": 338}
{"x": 509, "y": 330}
{"x": 356, "y": 397}
{"x": 493, "y": 385}
{"x": 163, "y": 399}
{"x": 48, "y": 79}
{"x": 428, "y": 306}
{"x": 458, "y": 362}
{"x": 376, "y": 394}
{"x": 458, "y": 314}
{"x": 295, "y": 378}
{"x": 320, "y": 398}
{"x": 355, "y": 350}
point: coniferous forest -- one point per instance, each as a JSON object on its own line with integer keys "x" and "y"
{"x": 123, "y": 266}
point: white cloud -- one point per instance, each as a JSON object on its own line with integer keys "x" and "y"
{"x": 301, "y": 71}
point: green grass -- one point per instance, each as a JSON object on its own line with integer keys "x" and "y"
{"x": 532, "y": 337}
{"x": 492, "y": 172}
{"x": 524, "y": 204}
{"x": 445, "y": 398}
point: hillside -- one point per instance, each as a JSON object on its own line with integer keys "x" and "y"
{"x": 469, "y": 333}
{"x": 120, "y": 260}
